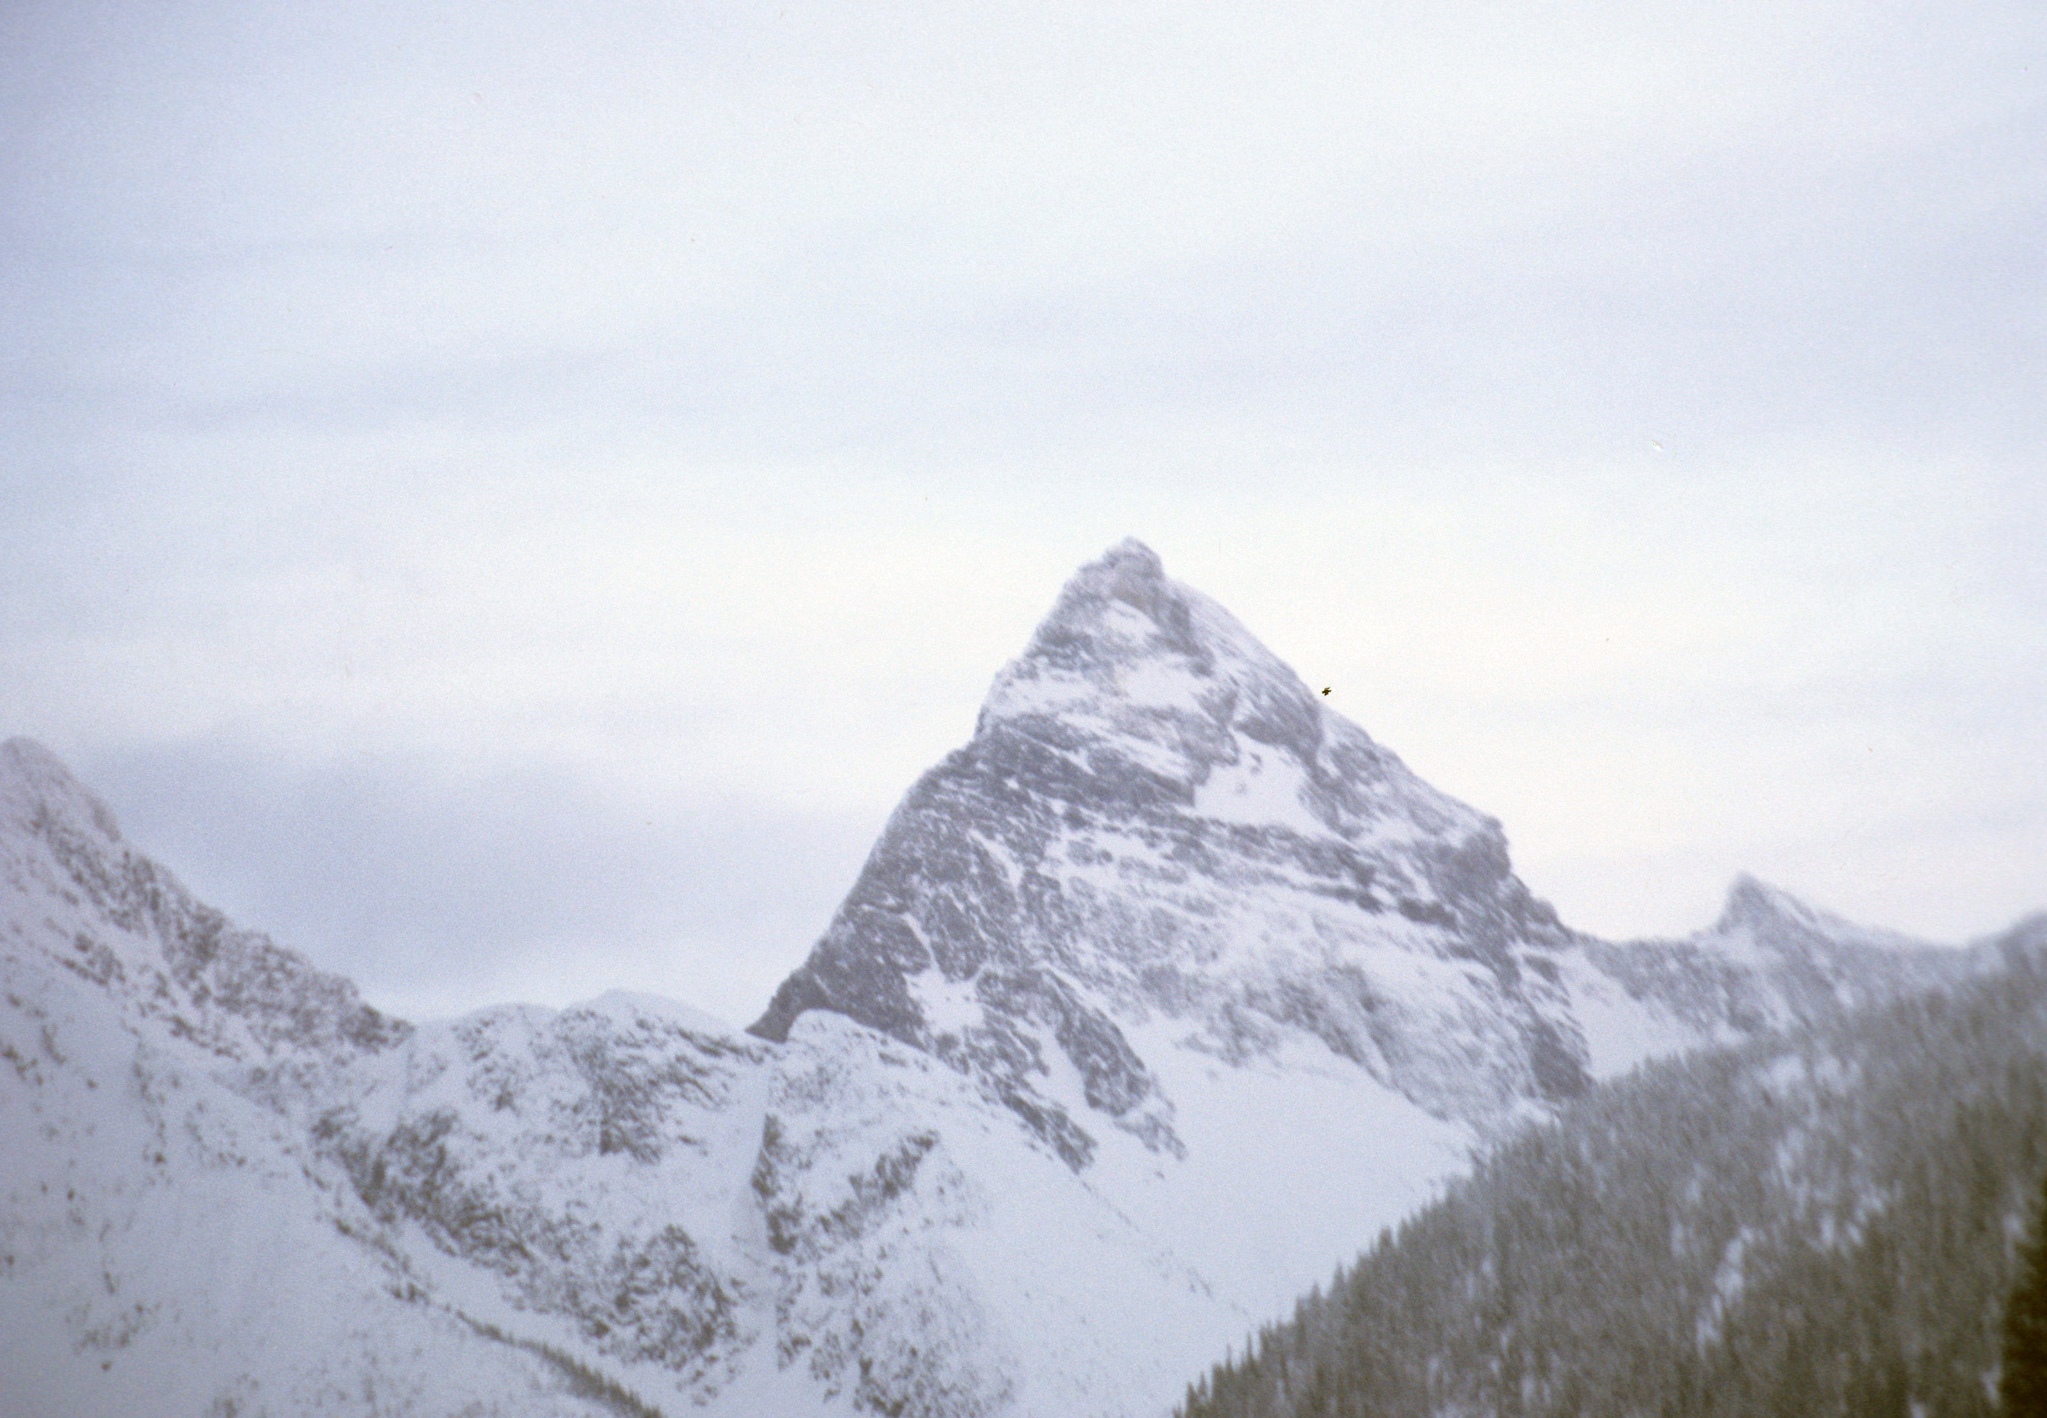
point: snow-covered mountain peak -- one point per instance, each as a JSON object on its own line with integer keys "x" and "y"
{"x": 1134, "y": 669}
{"x": 1160, "y": 841}
{"x": 1121, "y": 630}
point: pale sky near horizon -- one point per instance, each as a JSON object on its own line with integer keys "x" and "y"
{"x": 506, "y": 499}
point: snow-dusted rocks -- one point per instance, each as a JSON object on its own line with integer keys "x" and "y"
{"x": 1153, "y": 1003}
{"x": 231, "y": 990}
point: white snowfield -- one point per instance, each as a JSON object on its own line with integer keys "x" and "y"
{"x": 1155, "y": 1004}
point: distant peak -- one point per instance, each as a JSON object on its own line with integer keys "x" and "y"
{"x": 1768, "y": 914}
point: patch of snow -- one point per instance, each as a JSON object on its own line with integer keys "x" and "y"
{"x": 1026, "y": 688}
{"x": 1728, "y": 1280}
{"x": 1620, "y": 1032}
{"x": 1738, "y": 944}
{"x": 948, "y": 1006}
{"x": 1264, "y": 788}
{"x": 1375, "y": 1158}
{"x": 1161, "y": 683}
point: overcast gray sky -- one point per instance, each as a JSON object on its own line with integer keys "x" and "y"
{"x": 506, "y": 497}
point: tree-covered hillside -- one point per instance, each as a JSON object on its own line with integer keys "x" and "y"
{"x": 1825, "y": 1223}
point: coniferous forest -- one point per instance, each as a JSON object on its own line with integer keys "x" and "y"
{"x": 1827, "y": 1222}
{"x": 2022, "y": 1378}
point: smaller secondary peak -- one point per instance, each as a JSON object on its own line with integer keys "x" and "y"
{"x": 1767, "y": 916}
{"x": 1751, "y": 900}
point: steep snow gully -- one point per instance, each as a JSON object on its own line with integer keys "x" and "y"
{"x": 1153, "y": 1003}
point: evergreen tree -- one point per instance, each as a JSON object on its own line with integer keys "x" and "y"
{"x": 2022, "y": 1386}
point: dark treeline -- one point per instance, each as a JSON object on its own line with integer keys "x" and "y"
{"x": 1826, "y": 1223}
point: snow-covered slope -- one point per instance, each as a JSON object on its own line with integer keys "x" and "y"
{"x": 169, "y": 1243}
{"x": 1153, "y": 1003}
{"x": 226, "y": 1186}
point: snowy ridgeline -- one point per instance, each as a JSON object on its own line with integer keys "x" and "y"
{"x": 1154, "y": 1003}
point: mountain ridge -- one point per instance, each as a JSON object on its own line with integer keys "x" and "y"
{"x": 986, "y": 1153}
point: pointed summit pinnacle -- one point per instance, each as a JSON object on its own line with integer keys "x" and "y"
{"x": 1158, "y": 695}
{"x": 1132, "y": 559}
{"x": 1128, "y": 650}
{"x": 1093, "y": 615}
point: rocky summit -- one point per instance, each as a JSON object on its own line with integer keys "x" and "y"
{"x": 1154, "y": 1002}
